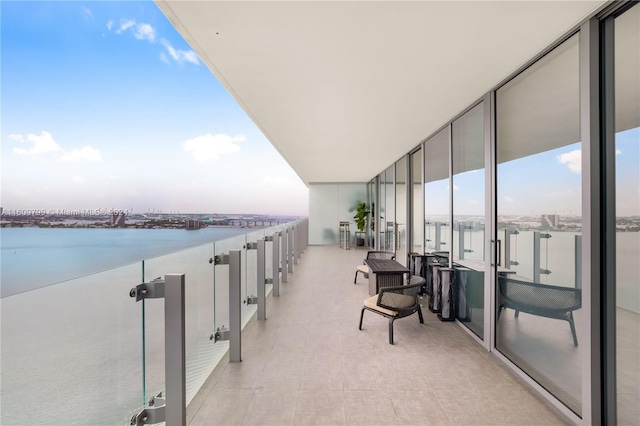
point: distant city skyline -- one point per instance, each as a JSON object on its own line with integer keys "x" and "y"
{"x": 105, "y": 106}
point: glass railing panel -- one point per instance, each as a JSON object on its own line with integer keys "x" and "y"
{"x": 222, "y": 278}
{"x": 72, "y": 352}
{"x": 268, "y": 261}
{"x": 554, "y": 259}
{"x": 200, "y": 359}
{"x": 250, "y": 266}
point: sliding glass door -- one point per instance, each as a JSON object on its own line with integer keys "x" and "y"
{"x": 627, "y": 217}
{"x": 468, "y": 142}
{"x": 401, "y": 211}
{"x": 539, "y": 313}
{"x": 436, "y": 193}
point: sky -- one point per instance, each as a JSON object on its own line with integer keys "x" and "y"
{"x": 105, "y": 106}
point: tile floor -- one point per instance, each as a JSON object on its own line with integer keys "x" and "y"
{"x": 308, "y": 364}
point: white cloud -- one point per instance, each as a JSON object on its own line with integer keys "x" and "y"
{"x": 164, "y": 58}
{"x": 110, "y": 24}
{"x": 455, "y": 187}
{"x": 618, "y": 152}
{"x": 87, "y": 12}
{"x": 144, "y": 32}
{"x": 508, "y": 199}
{"x": 573, "y": 160}
{"x": 42, "y": 144}
{"x": 125, "y": 24}
{"x": 87, "y": 153}
{"x": 211, "y": 147}
{"x": 79, "y": 179}
{"x": 180, "y": 56}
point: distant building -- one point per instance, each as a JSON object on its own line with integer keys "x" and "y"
{"x": 191, "y": 224}
{"x": 117, "y": 219}
{"x": 550, "y": 221}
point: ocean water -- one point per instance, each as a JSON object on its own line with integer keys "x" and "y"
{"x": 82, "y": 348}
{"x": 31, "y": 258}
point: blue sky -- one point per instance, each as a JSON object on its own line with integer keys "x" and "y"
{"x": 104, "y": 105}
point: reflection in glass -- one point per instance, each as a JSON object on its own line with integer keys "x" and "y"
{"x": 468, "y": 216}
{"x": 436, "y": 192}
{"x": 540, "y": 223}
{"x": 627, "y": 139}
{"x": 401, "y": 211}
{"x": 417, "y": 212}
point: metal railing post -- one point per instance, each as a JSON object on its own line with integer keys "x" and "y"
{"x": 537, "y": 269}
{"x": 169, "y": 406}
{"x": 262, "y": 312}
{"x": 283, "y": 255}
{"x": 174, "y": 350}
{"x": 276, "y": 264}
{"x": 461, "y": 228}
{"x": 578, "y": 261}
{"x": 507, "y": 248}
{"x": 290, "y": 249}
{"x": 296, "y": 246}
{"x": 235, "y": 303}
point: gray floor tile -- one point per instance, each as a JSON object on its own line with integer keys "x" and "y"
{"x": 308, "y": 364}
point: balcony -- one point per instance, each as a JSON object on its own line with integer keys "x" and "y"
{"x": 86, "y": 343}
{"x": 309, "y": 364}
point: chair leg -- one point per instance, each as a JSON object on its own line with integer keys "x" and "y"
{"x": 420, "y": 315}
{"x": 517, "y": 314}
{"x": 500, "y": 308}
{"x": 361, "y": 315}
{"x": 391, "y": 331}
{"x": 356, "y": 277}
{"x": 573, "y": 329}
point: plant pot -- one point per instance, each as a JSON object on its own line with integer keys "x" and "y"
{"x": 360, "y": 242}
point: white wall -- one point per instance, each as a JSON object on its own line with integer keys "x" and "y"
{"x": 329, "y": 204}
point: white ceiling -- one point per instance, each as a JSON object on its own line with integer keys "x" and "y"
{"x": 343, "y": 89}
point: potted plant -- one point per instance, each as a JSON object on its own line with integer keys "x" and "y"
{"x": 362, "y": 213}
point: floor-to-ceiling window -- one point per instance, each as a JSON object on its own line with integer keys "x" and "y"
{"x": 627, "y": 190}
{"x": 417, "y": 203}
{"x": 371, "y": 230}
{"x": 539, "y": 223}
{"x": 401, "y": 210}
{"x": 390, "y": 210}
{"x": 468, "y": 142}
{"x": 381, "y": 224}
{"x": 436, "y": 193}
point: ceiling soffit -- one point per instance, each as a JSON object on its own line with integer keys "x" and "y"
{"x": 344, "y": 89}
